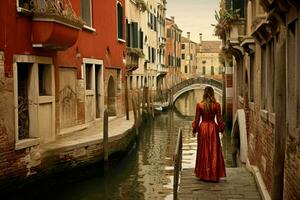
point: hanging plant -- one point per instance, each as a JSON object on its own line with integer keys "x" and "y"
{"x": 224, "y": 22}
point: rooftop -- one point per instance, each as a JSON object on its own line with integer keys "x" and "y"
{"x": 209, "y": 47}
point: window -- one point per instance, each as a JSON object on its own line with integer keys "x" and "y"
{"x": 137, "y": 81}
{"x": 263, "y": 93}
{"x": 252, "y": 63}
{"x": 191, "y": 57}
{"x": 155, "y": 23}
{"x": 153, "y": 80}
{"x": 25, "y": 4}
{"x": 153, "y": 55}
{"x": 34, "y": 98}
{"x": 149, "y": 54}
{"x": 169, "y": 33}
{"x": 220, "y": 70}
{"x": 130, "y": 82}
{"x": 142, "y": 81}
{"x": 45, "y": 80}
{"x": 212, "y": 70}
{"x": 270, "y": 76}
{"x": 182, "y": 46}
{"x": 86, "y": 11}
{"x": 23, "y": 94}
{"x": 239, "y": 7}
{"x": 134, "y": 35}
{"x": 203, "y": 70}
{"x": 120, "y": 21}
{"x": 88, "y": 76}
{"x": 128, "y": 34}
{"x": 186, "y": 69}
{"x": 141, "y": 39}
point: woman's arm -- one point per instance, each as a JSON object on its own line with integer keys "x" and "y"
{"x": 221, "y": 125}
{"x": 195, "y": 123}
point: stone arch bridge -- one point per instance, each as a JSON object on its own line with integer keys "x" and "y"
{"x": 176, "y": 91}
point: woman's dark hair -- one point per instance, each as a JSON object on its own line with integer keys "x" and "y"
{"x": 208, "y": 98}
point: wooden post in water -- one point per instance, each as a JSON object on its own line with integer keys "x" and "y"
{"x": 135, "y": 113}
{"x": 126, "y": 99}
{"x": 139, "y": 110}
{"x": 105, "y": 135}
{"x": 143, "y": 98}
{"x": 148, "y": 100}
{"x": 152, "y": 106}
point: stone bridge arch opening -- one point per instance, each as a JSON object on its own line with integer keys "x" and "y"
{"x": 193, "y": 84}
{"x": 194, "y": 87}
{"x": 239, "y": 139}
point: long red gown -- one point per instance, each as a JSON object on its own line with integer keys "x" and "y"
{"x": 209, "y": 161}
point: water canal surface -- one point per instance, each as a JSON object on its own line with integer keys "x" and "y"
{"x": 146, "y": 172}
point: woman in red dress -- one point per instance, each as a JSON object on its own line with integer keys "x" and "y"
{"x": 209, "y": 161}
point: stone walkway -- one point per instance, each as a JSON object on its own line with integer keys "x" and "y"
{"x": 117, "y": 127}
{"x": 238, "y": 185}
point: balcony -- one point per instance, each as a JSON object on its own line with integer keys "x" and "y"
{"x": 142, "y": 5}
{"x": 55, "y": 24}
{"x": 162, "y": 69}
{"x": 132, "y": 58}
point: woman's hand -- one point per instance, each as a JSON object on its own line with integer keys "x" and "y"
{"x": 194, "y": 134}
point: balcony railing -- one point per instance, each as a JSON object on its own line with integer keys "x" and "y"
{"x": 55, "y": 24}
{"x": 132, "y": 58}
{"x": 57, "y": 9}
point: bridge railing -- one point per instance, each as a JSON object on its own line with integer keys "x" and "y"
{"x": 199, "y": 80}
{"x": 165, "y": 95}
{"x": 177, "y": 164}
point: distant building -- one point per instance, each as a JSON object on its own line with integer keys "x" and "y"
{"x": 136, "y": 50}
{"x": 146, "y": 41}
{"x": 208, "y": 59}
{"x": 173, "y": 52}
{"x": 188, "y": 57}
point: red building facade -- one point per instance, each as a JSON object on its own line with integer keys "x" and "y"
{"x": 61, "y": 66}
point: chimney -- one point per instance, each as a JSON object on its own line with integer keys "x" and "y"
{"x": 200, "y": 42}
{"x": 173, "y": 18}
{"x": 188, "y": 35}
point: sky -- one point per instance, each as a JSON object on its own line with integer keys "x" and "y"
{"x": 195, "y": 16}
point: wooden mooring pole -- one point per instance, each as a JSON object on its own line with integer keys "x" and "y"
{"x": 134, "y": 108}
{"x": 105, "y": 136}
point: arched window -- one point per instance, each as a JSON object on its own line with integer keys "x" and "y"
{"x": 120, "y": 20}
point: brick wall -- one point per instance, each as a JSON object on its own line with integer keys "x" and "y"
{"x": 292, "y": 169}
{"x": 13, "y": 164}
{"x": 260, "y": 151}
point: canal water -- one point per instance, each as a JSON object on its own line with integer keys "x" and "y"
{"x": 146, "y": 172}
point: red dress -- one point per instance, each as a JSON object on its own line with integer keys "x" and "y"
{"x": 209, "y": 161}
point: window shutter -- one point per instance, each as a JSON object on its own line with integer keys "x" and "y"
{"x": 120, "y": 21}
{"x": 141, "y": 39}
{"x": 128, "y": 33}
